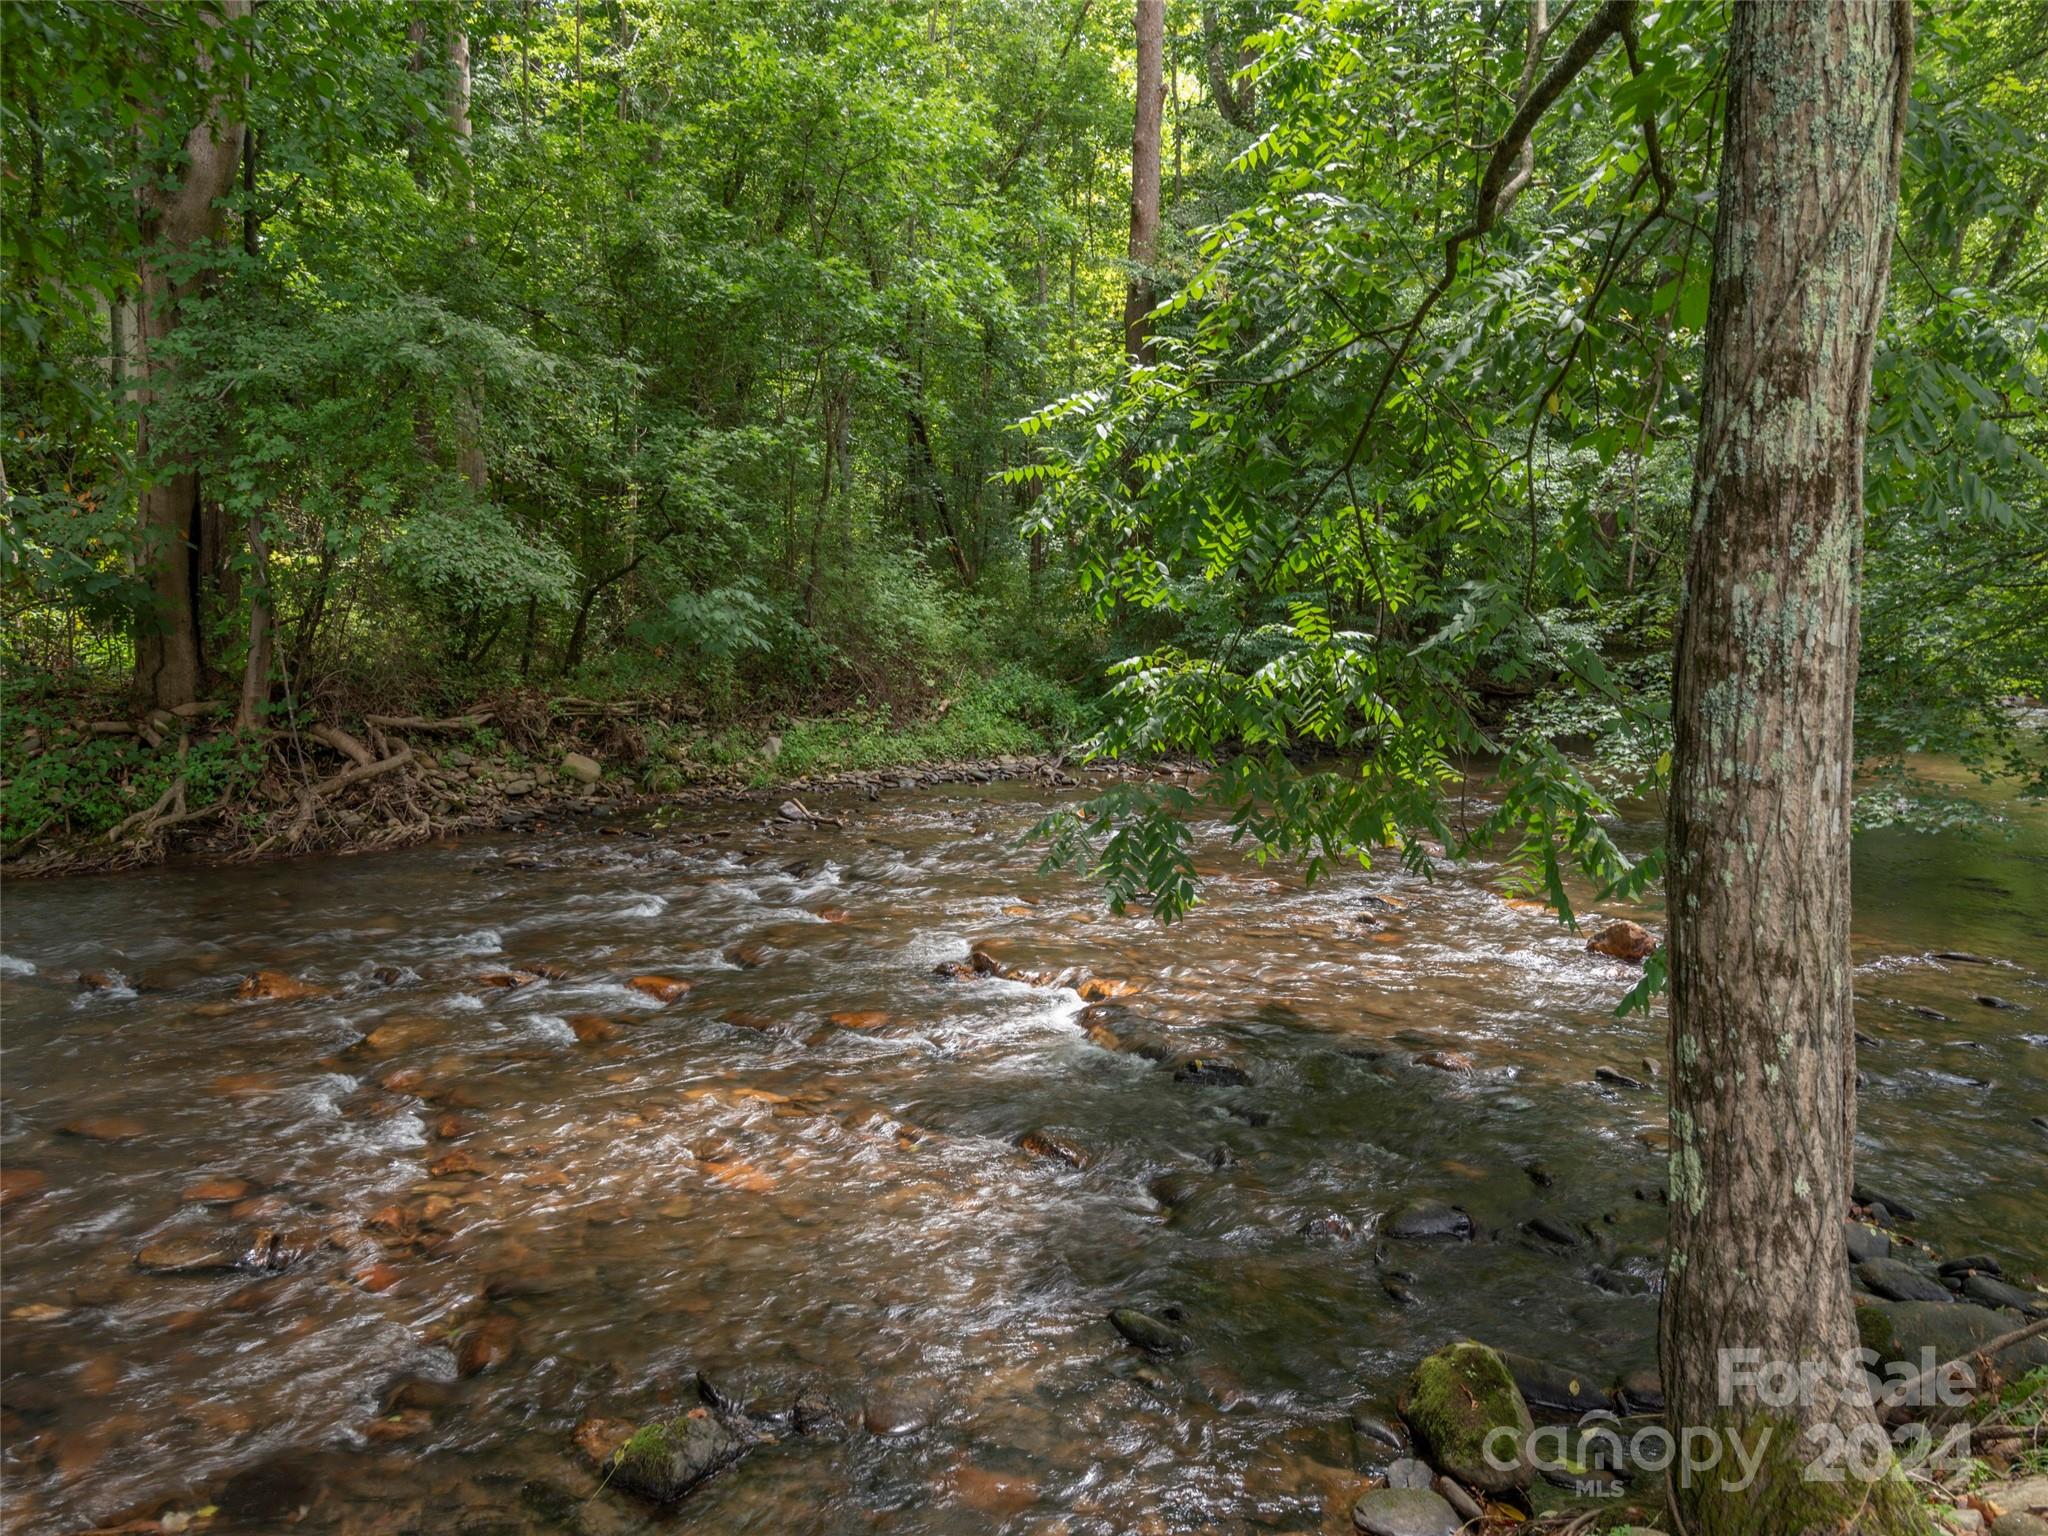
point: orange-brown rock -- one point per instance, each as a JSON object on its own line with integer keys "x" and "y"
{"x": 859, "y": 1018}
{"x": 1623, "y": 940}
{"x": 243, "y": 1084}
{"x": 18, "y": 1184}
{"x": 737, "y": 1174}
{"x": 1043, "y": 1143}
{"x": 599, "y": 1438}
{"x": 514, "y": 978}
{"x": 376, "y": 1277}
{"x": 451, "y": 1128}
{"x": 667, "y": 988}
{"x": 1446, "y": 1061}
{"x": 1101, "y": 989}
{"x": 216, "y": 1191}
{"x": 106, "y": 1128}
{"x": 749, "y": 955}
{"x": 277, "y": 987}
{"x": 592, "y": 1028}
{"x": 456, "y": 1164}
{"x": 831, "y": 914}
{"x": 493, "y": 1340}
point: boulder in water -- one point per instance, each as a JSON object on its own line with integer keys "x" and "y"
{"x": 1429, "y": 1221}
{"x": 1154, "y": 1335}
{"x": 664, "y": 1460}
{"x": 1469, "y": 1418}
{"x": 1623, "y": 940}
{"x": 1211, "y": 1072}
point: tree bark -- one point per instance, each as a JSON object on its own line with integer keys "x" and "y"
{"x": 1138, "y": 295}
{"x": 1763, "y": 1095}
{"x": 262, "y": 622}
{"x": 1236, "y": 102}
{"x": 177, "y": 214}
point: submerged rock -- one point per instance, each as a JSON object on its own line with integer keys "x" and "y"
{"x": 17, "y": 1184}
{"x": 1055, "y": 1148}
{"x": 889, "y": 1415}
{"x": 1153, "y": 1334}
{"x": 1457, "y": 1399}
{"x": 194, "y": 1255}
{"x": 666, "y": 989}
{"x": 489, "y": 1344}
{"x": 277, "y": 987}
{"x": 1429, "y": 1221}
{"x": 105, "y": 1128}
{"x": 1211, "y": 1072}
{"x": 1404, "y": 1512}
{"x": 664, "y": 1460}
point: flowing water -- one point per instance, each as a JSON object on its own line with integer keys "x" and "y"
{"x": 737, "y": 1183}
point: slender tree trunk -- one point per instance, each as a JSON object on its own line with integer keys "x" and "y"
{"x": 1763, "y": 1096}
{"x": 177, "y": 214}
{"x": 1138, "y": 297}
{"x": 1236, "y": 102}
{"x": 262, "y": 621}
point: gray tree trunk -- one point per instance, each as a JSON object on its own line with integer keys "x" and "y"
{"x": 1763, "y": 1096}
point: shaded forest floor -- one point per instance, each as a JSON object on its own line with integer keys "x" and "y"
{"x": 87, "y": 786}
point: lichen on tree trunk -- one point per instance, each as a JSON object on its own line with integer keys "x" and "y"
{"x": 1763, "y": 1100}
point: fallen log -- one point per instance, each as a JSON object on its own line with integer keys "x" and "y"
{"x": 334, "y": 736}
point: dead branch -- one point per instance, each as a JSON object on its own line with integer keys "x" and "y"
{"x": 421, "y": 723}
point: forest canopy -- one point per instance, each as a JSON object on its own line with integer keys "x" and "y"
{"x": 765, "y": 359}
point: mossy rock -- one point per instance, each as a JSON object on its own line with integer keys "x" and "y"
{"x": 1875, "y": 1332}
{"x": 1456, "y": 1399}
{"x": 666, "y": 1459}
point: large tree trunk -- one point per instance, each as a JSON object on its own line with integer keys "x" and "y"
{"x": 1763, "y": 1093}
{"x": 1138, "y": 296}
{"x": 177, "y": 214}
